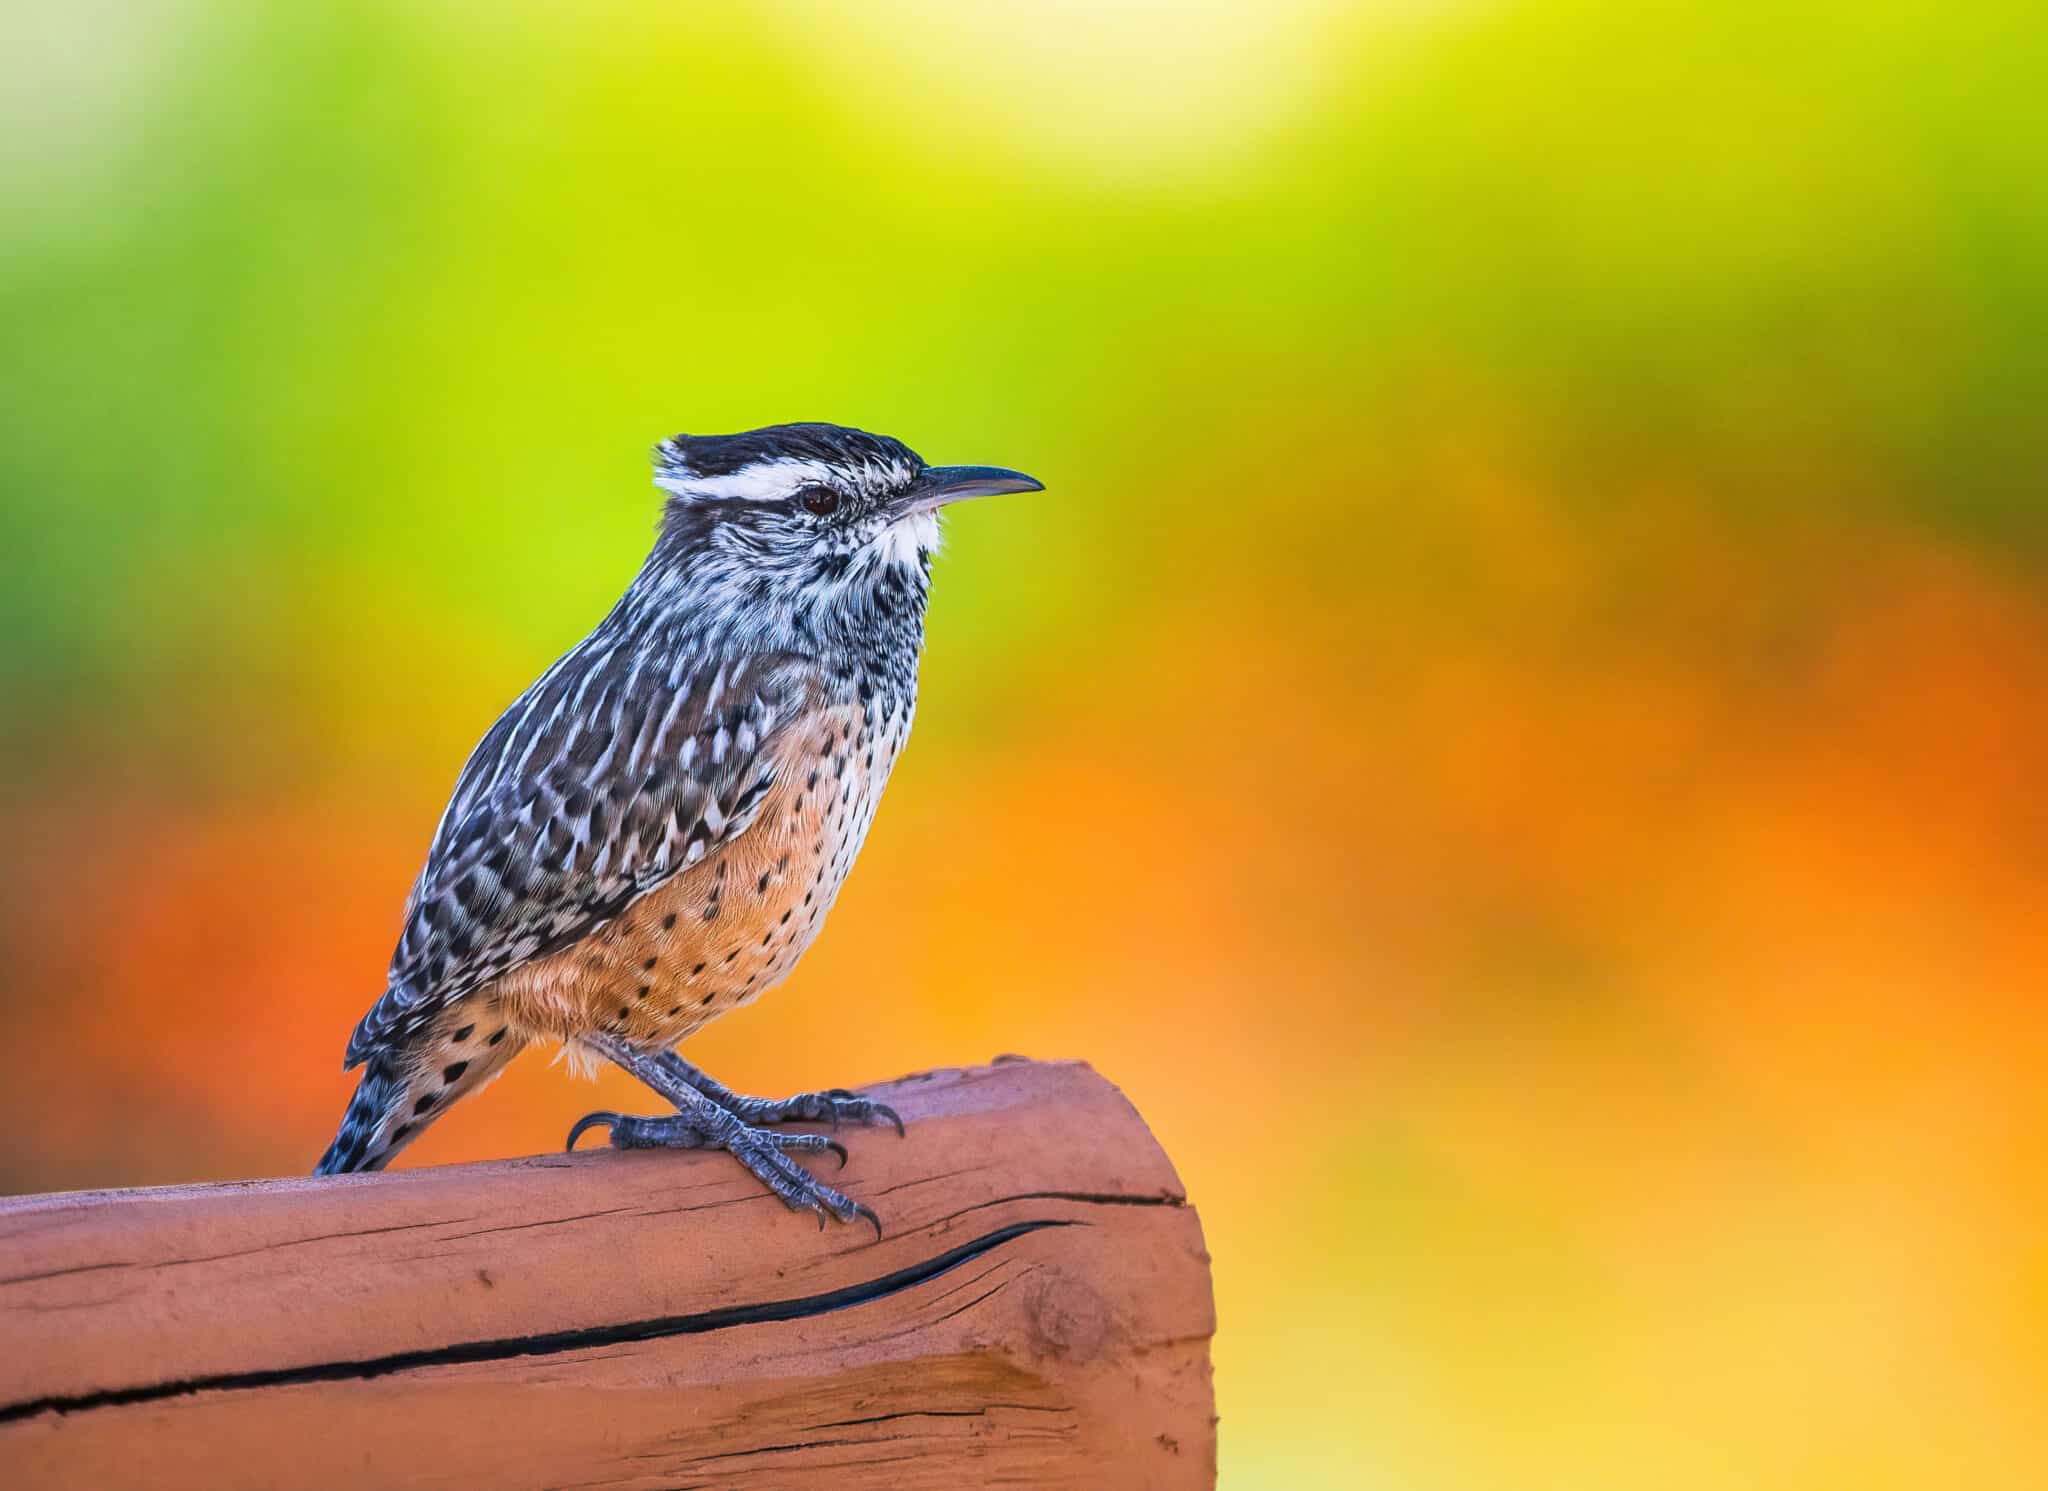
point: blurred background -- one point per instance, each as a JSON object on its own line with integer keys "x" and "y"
{"x": 1529, "y": 679}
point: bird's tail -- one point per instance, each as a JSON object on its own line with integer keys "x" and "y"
{"x": 405, "y": 1087}
{"x": 364, "y": 1141}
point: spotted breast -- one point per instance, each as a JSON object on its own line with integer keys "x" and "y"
{"x": 731, "y": 927}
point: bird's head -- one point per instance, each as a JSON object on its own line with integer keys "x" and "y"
{"x": 807, "y": 521}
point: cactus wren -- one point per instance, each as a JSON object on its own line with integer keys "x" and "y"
{"x": 652, "y": 834}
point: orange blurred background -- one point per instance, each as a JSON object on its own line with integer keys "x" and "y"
{"x": 1515, "y": 732}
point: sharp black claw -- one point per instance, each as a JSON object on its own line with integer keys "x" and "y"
{"x": 873, "y": 1221}
{"x": 838, "y": 1149}
{"x": 591, "y": 1120}
{"x": 885, "y": 1111}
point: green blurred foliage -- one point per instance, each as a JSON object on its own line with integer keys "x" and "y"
{"x": 339, "y": 331}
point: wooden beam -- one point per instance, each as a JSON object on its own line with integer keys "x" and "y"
{"x": 1038, "y": 1314}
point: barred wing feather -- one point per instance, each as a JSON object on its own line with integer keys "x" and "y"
{"x": 609, "y": 775}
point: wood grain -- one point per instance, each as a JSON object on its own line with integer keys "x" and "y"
{"x": 1038, "y": 1315}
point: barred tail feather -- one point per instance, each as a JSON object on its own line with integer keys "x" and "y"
{"x": 371, "y": 1114}
{"x": 405, "y": 1088}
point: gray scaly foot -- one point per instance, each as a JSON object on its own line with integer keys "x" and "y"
{"x": 702, "y": 1123}
{"x": 834, "y": 1105}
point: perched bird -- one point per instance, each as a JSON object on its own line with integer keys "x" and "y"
{"x": 652, "y": 834}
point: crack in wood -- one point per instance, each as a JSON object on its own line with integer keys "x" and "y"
{"x": 269, "y": 1247}
{"x": 963, "y": 1309}
{"x": 581, "y": 1216}
{"x": 945, "y": 1413}
{"x": 544, "y": 1343}
{"x": 59, "y": 1273}
{"x": 1086, "y": 1198}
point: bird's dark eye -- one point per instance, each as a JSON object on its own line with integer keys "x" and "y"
{"x": 821, "y": 500}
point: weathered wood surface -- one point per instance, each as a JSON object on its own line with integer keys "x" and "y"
{"x": 1038, "y": 1315}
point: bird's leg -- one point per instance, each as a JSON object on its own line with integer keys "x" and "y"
{"x": 682, "y": 1131}
{"x": 830, "y": 1106}
{"x": 700, "y": 1123}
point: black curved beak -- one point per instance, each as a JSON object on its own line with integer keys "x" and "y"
{"x": 938, "y": 485}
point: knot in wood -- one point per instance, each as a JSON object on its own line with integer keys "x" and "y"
{"x": 1068, "y": 1319}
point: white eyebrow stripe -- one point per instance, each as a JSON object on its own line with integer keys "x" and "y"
{"x": 761, "y": 481}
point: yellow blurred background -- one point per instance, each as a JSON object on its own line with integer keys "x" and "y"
{"x": 1515, "y": 733}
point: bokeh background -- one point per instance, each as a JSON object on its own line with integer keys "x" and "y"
{"x": 1516, "y": 732}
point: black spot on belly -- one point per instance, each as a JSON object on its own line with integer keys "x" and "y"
{"x": 464, "y": 1034}
{"x": 498, "y": 1036}
{"x": 453, "y": 1071}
